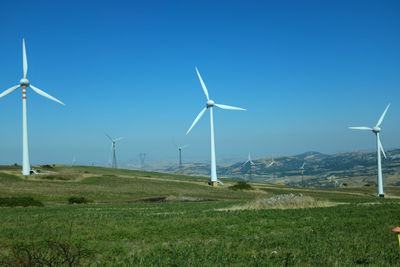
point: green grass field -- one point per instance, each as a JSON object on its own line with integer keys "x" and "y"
{"x": 145, "y": 218}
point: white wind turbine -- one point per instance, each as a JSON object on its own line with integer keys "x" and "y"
{"x": 180, "y": 154}
{"x": 271, "y": 163}
{"x": 302, "y": 173}
{"x": 376, "y": 130}
{"x": 24, "y": 82}
{"x": 209, "y": 105}
{"x": 248, "y": 161}
{"x": 113, "y": 142}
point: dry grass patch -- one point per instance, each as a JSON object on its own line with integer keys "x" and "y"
{"x": 284, "y": 201}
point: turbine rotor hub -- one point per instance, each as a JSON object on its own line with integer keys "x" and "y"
{"x": 24, "y": 82}
{"x": 210, "y": 103}
{"x": 376, "y": 129}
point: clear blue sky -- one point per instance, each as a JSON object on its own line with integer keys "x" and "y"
{"x": 305, "y": 70}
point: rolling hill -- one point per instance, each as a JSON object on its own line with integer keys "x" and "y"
{"x": 321, "y": 170}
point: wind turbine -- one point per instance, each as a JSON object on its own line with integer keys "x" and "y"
{"x": 251, "y": 164}
{"x": 180, "y": 153}
{"x": 376, "y": 130}
{"x": 271, "y": 163}
{"x": 142, "y": 157}
{"x": 302, "y": 173}
{"x": 334, "y": 180}
{"x": 248, "y": 161}
{"x": 209, "y": 105}
{"x": 113, "y": 142}
{"x": 24, "y": 83}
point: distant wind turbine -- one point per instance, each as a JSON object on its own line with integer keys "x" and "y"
{"x": 248, "y": 161}
{"x": 332, "y": 179}
{"x": 376, "y": 130}
{"x": 113, "y": 148}
{"x": 251, "y": 164}
{"x": 24, "y": 83}
{"x": 180, "y": 154}
{"x": 302, "y": 173}
{"x": 209, "y": 105}
{"x": 271, "y": 163}
{"x": 142, "y": 157}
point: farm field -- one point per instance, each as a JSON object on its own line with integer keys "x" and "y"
{"x": 147, "y": 218}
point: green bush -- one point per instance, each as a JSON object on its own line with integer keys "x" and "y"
{"x": 77, "y": 200}
{"x": 47, "y": 166}
{"x": 19, "y": 201}
{"x": 241, "y": 185}
{"x": 60, "y": 177}
{"x": 51, "y": 250}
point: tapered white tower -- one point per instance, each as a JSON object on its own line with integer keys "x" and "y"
{"x": 379, "y": 149}
{"x": 24, "y": 83}
{"x": 209, "y": 105}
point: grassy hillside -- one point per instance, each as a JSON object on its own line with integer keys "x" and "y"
{"x": 146, "y": 218}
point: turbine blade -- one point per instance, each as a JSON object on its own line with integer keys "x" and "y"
{"x": 228, "y": 107}
{"x": 381, "y": 148}
{"x": 197, "y": 119}
{"x": 9, "y": 90}
{"x": 203, "y": 85}
{"x": 109, "y": 137}
{"x": 24, "y": 60}
{"x": 245, "y": 163}
{"x": 118, "y": 139}
{"x": 361, "y": 128}
{"x": 185, "y": 146}
{"x": 382, "y": 116}
{"x": 40, "y": 92}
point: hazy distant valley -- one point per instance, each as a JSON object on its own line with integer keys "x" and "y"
{"x": 320, "y": 170}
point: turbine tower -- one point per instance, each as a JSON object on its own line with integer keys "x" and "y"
{"x": 302, "y": 173}
{"x": 24, "y": 83}
{"x": 251, "y": 164}
{"x": 209, "y": 105}
{"x": 180, "y": 155}
{"x": 142, "y": 157}
{"x": 376, "y": 130}
{"x": 113, "y": 142}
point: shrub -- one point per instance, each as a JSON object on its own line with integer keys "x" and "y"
{"x": 19, "y": 201}
{"x": 47, "y": 166}
{"x": 52, "y": 250}
{"x": 61, "y": 177}
{"x": 77, "y": 200}
{"x": 241, "y": 185}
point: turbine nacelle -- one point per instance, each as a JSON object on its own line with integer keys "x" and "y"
{"x": 24, "y": 82}
{"x": 376, "y": 129}
{"x": 210, "y": 103}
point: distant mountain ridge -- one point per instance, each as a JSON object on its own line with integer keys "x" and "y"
{"x": 353, "y": 168}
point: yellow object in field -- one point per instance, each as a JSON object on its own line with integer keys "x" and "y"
{"x": 397, "y": 230}
{"x": 399, "y": 239}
